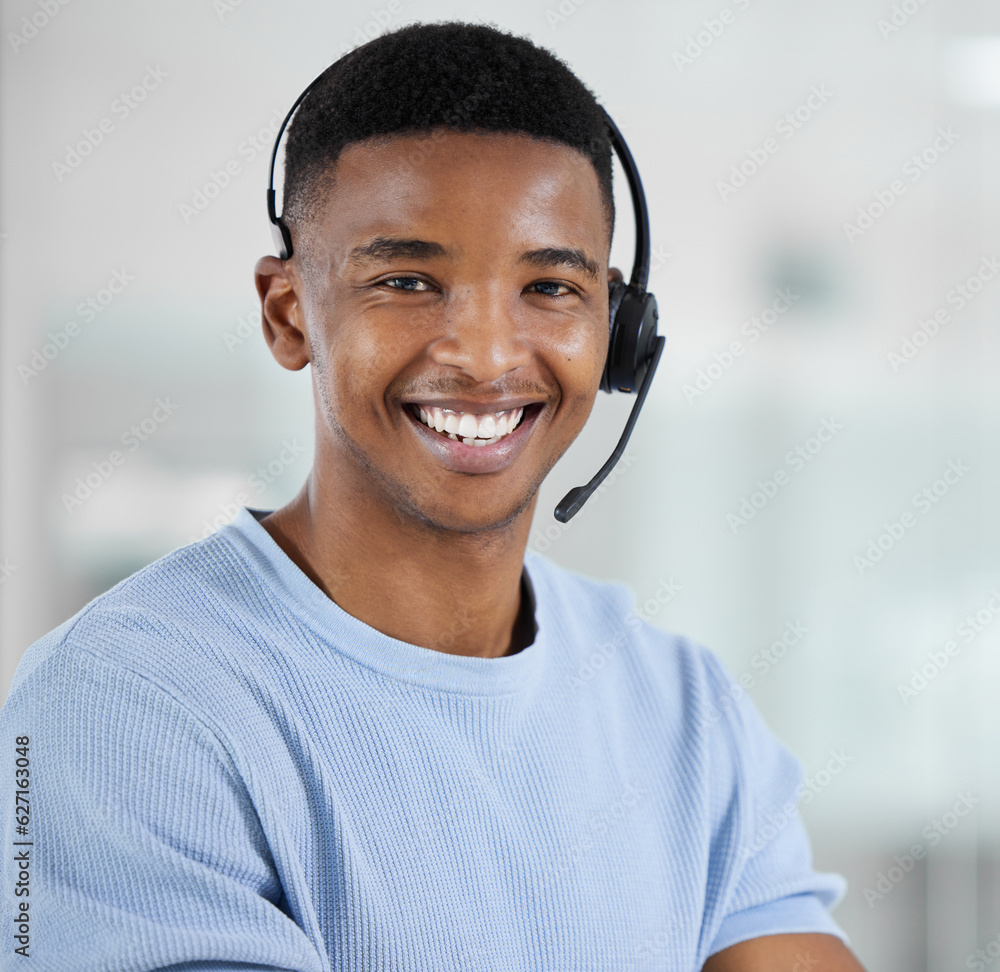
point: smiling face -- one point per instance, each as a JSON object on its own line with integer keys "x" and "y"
{"x": 453, "y": 293}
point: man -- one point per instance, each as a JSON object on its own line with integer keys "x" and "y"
{"x": 347, "y": 734}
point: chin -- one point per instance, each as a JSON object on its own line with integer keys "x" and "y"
{"x": 472, "y": 514}
{"x": 451, "y": 520}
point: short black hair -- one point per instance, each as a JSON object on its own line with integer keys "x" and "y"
{"x": 422, "y": 77}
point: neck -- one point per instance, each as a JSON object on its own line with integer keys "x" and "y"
{"x": 459, "y": 593}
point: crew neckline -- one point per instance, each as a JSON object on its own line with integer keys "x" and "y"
{"x": 367, "y": 646}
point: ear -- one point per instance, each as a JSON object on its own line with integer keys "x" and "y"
{"x": 281, "y": 313}
{"x": 614, "y": 274}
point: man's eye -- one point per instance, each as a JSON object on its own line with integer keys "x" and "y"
{"x": 406, "y": 283}
{"x": 553, "y": 288}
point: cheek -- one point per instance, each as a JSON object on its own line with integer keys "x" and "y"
{"x": 359, "y": 378}
{"x": 363, "y": 362}
{"x": 582, "y": 354}
{"x": 349, "y": 348}
{"x": 582, "y": 360}
{"x": 583, "y": 340}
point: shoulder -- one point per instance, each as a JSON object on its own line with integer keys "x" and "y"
{"x": 606, "y": 629}
{"x": 150, "y": 619}
{"x": 610, "y": 647}
{"x": 567, "y": 591}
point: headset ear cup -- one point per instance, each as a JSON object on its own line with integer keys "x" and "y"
{"x": 631, "y": 342}
{"x": 616, "y": 291}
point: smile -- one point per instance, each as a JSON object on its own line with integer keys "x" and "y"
{"x": 483, "y": 441}
{"x": 467, "y": 427}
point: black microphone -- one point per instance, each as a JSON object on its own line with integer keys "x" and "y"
{"x": 578, "y": 495}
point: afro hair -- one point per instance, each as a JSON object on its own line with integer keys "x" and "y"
{"x": 424, "y": 77}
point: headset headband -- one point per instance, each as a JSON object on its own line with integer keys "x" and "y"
{"x": 640, "y": 264}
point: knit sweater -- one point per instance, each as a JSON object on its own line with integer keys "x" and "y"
{"x": 223, "y": 770}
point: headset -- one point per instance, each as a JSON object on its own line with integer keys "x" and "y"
{"x": 634, "y": 348}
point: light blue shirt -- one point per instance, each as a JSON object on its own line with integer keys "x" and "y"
{"x": 227, "y": 771}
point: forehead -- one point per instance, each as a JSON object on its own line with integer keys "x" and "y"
{"x": 505, "y": 187}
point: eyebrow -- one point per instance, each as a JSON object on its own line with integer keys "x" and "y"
{"x": 394, "y": 248}
{"x": 387, "y": 248}
{"x": 564, "y": 257}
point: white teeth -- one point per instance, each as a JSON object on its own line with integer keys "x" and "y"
{"x": 472, "y": 429}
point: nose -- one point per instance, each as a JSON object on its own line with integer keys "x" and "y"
{"x": 481, "y": 335}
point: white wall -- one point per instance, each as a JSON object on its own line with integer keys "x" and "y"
{"x": 226, "y": 74}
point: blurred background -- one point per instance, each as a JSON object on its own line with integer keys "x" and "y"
{"x": 813, "y": 471}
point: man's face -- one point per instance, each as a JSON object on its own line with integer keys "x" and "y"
{"x": 461, "y": 280}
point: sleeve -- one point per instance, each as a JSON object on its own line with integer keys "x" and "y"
{"x": 764, "y": 880}
{"x": 131, "y": 842}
